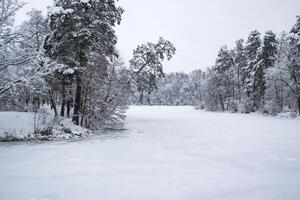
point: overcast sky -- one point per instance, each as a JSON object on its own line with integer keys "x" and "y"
{"x": 198, "y": 28}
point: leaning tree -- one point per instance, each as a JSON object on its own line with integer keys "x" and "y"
{"x": 146, "y": 65}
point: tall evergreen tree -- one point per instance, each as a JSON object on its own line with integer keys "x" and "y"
{"x": 252, "y": 48}
{"x": 240, "y": 63}
{"x": 294, "y": 60}
{"x": 224, "y": 76}
{"x": 265, "y": 59}
{"x": 79, "y": 28}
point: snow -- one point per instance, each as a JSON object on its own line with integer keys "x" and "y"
{"x": 68, "y": 71}
{"x": 66, "y": 129}
{"x": 56, "y": 10}
{"x": 166, "y": 153}
{"x": 69, "y": 11}
{"x": 19, "y": 123}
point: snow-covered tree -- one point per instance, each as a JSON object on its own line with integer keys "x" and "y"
{"x": 265, "y": 59}
{"x": 294, "y": 60}
{"x": 252, "y": 47}
{"x": 224, "y": 77}
{"x": 32, "y": 33}
{"x": 240, "y": 64}
{"x": 78, "y": 29}
{"x": 146, "y": 65}
{"x": 9, "y": 57}
{"x": 197, "y": 84}
{"x": 106, "y": 94}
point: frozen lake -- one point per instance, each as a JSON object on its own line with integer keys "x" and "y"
{"x": 167, "y": 153}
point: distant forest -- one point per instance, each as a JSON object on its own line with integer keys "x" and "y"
{"x": 261, "y": 73}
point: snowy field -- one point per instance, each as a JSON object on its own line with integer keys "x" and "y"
{"x": 167, "y": 153}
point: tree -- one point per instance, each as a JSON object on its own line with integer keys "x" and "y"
{"x": 31, "y": 34}
{"x": 106, "y": 94}
{"x": 240, "y": 64}
{"x": 265, "y": 59}
{"x": 252, "y": 47}
{"x": 224, "y": 76}
{"x": 33, "y": 31}
{"x": 8, "y": 55}
{"x": 79, "y": 28}
{"x": 197, "y": 84}
{"x": 294, "y": 60}
{"x": 146, "y": 65}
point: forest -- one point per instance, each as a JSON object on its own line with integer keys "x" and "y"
{"x": 260, "y": 74}
{"x": 110, "y": 100}
{"x": 69, "y": 62}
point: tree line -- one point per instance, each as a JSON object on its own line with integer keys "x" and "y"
{"x": 261, "y": 73}
{"x": 69, "y": 62}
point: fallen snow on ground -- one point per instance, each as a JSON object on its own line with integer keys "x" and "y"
{"x": 167, "y": 153}
{"x": 20, "y": 126}
{"x": 17, "y": 123}
{"x": 66, "y": 129}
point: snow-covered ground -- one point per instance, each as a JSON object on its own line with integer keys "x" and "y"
{"x": 20, "y": 125}
{"x": 167, "y": 153}
{"x": 17, "y": 123}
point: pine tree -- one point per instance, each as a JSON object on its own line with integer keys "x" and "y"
{"x": 294, "y": 60}
{"x": 252, "y": 49}
{"x": 224, "y": 68}
{"x": 265, "y": 59}
{"x": 240, "y": 63}
{"x": 79, "y": 28}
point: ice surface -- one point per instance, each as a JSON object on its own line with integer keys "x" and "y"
{"x": 167, "y": 153}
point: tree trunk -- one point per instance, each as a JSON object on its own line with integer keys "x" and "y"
{"x": 53, "y": 105}
{"x": 68, "y": 108}
{"x": 69, "y": 103}
{"x": 77, "y": 104}
{"x": 239, "y": 84}
{"x": 84, "y": 106}
{"x": 63, "y": 98}
{"x": 148, "y": 99}
{"x": 298, "y": 105}
{"x": 141, "y": 97}
{"x": 39, "y": 103}
{"x": 221, "y": 102}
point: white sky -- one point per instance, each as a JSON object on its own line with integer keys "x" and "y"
{"x": 198, "y": 28}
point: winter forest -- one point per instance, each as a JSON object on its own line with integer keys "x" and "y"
{"x": 261, "y": 73}
{"x": 69, "y": 62}
{"x": 63, "y": 79}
